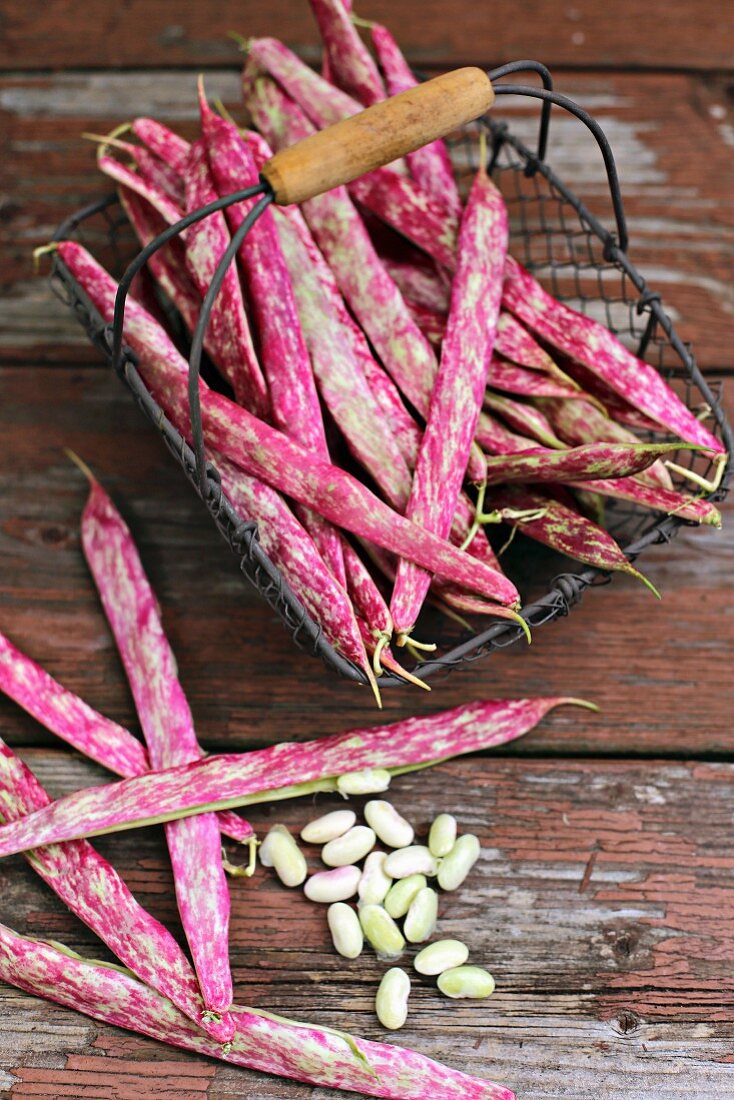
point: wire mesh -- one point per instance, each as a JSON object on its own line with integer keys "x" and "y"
{"x": 577, "y": 259}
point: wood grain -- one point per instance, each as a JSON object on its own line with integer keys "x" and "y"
{"x": 669, "y": 35}
{"x": 615, "y": 980}
{"x": 672, "y": 142}
{"x": 658, "y": 670}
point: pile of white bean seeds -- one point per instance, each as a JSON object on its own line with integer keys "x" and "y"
{"x": 390, "y": 886}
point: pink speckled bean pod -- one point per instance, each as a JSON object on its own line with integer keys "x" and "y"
{"x": 167, "y": 145}
{"x": 206, "y": 243}
{"x": 430, "y": 166}
{"x": 281, "y": 771}
{"x": 320, "y": 100}
{"x": 268, "y": 1044}
{"x": 154, "y": 170}
{"x": 295, "y": 407}
{"x": 290, "y": 547}
{"x": 459, "y": 387}
{"x": 74, "y": 721}
{"x": 516, "y": 344}
{"x": 579, "y": 422}
{"x": 496, "y": 439}
{"x": 564, "y": 530}
{"x": 522, "y": 417}
{"x": 167, "y": 265}
{"x": 419, "y": 282}
{"x": 403, "y": 427}
{"x": 511, "y": 378}
{"x": 404, "y": 205}
{"x": 659, "y": 499}
{"x": 351, "y": 65}
{"x": 599, "y": 351}
{"x": 340, "y": 234}
{"x": 584, "y": 463}
{"x": 269, "y": 455}
{"x": 94, "y": 892}
{"x": 168, "y": 210}
{"x": 194, "y": 846}
{"x": 342, "y": 385}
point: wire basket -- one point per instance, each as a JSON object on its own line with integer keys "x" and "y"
{"x": 573, "y": 255}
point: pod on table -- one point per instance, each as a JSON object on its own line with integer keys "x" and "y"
{"x": 346, "y": 931}
{"x": 350, "y": 848}
{"x": 458, "y": 863}
{"x": 420, "y": 920}
{"x": 269, "y": 1044}
{"x": 459, "y": 386}
{"x": 268, "y": 454}
{"x": 466, "y": 982}
{"x": 90, "y": 733}
{"x": 281, "y": 852}
{"x": 328, "y": 826}
{"x": 390, "y": 826}
{"x": 333, "y": 886}
{"x": 401, "y": 894}
{"x": 442, "y": 835}
{"x": 94, "y": 892}
{"x": 238, "y": 779}
{"x": 391, "y": 1002}
{"x": 381, "y": 931}
{"x": 131, "y": 609}
{"x": 441, "y": 955}
{"x": 374, "y": 883}
{"x": 416, "y": 859}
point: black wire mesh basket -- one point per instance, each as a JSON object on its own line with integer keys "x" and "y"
{"x": 579, "y": 261}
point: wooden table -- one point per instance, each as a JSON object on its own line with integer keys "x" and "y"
{"x": 604, "y": 899}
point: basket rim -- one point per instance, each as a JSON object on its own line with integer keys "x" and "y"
{"x": 565, "y": 590}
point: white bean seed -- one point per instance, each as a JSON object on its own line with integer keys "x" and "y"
{"x": 414, "y": 860}
{"x": 459, "y": 862}
{"x": 280, "y": 851}
{"x": 350, "y": 848}
{"x": 374, "y": 883}
{"x": 466, "y": 982}
{"x": 442, "y": 836}
{"x": 346, "y": 931}
{"x": 441, "y": 955}
{"x": 401, "y": 894}
{"x": 420, "y": 923}
{"x": 391, "y": 828}
{"x": 391, "y": 1003}
{"x": 382, "y": 931}
{"x": 336, "y": 885}
{"x": 328, "y": 827}
{"x": 367, "y": 781}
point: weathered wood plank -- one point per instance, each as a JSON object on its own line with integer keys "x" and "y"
{"x": 671, "y": 140}
{"x": 658, "y": 670}
{"x": 603, "y": 902}
{"x": 673, "y": 35}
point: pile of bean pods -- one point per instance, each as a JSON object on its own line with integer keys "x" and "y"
{"x": 391, "y": 381}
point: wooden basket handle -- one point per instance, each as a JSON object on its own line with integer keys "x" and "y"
{"x": 379, "y": 135}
